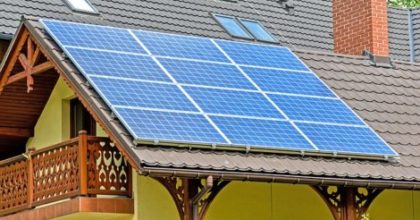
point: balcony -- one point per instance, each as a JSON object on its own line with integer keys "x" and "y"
{"x": 88, "y": 169}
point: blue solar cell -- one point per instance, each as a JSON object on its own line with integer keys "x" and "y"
{"x": 93, "y": 36}
{"x": 180, "y": 46}
{"x": 117, "y": 64}
{"x": 288, "y": 82}
{"x": 232, "y": 102}
{"x": 169, "y": 126}
{"x": 315, "y": 109}
{"x": 263, "y": 133}
{"x": 261, "y": 55}
{"x": 208, "y": 74}
{"x": 142, "y": 94}
{"x": 345, "y": 139}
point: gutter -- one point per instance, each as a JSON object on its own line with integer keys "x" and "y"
{"x": 411, "y": 35}
{"x": 281, "y": 178}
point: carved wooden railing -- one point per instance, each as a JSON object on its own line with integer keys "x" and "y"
{"x": 83, "y": 166}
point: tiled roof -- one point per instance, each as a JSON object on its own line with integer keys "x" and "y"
{"x": 385, "y": 97}
{"x": 309, "y": 27}
{"x": 399, "y": 46}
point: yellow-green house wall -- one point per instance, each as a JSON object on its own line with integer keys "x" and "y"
{"x": 53, "y": 126}
{"x": 239, "y": 200}
{"x": 266, "y": 201}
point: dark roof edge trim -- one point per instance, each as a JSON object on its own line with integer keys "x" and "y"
{"x": 280, "y": 178}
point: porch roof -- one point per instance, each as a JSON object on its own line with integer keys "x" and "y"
{"x": 386, "y": 98}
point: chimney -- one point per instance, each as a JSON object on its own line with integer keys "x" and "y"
{"x": 360, "y": 25}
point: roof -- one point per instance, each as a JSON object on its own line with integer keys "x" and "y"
{"x": 308, "y": 26}
{"x": 385, "y": 97}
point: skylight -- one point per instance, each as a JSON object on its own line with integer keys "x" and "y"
{"x": 244, "y": 28}
{"x": 257, "y": 30}
{"x": 81, "y": 6}
{"x": 231, "y": 25}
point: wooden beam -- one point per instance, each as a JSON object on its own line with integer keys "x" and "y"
{"x": 35, "y": 70}
{"x": 13, "y": 58}
{"x": 16, "y": 132}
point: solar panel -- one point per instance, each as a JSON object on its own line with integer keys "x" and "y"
{"x": 206, "y": 74}
{"x": 230, "y": 102}
{"x": 180, "y": 46}
{"x": 262, "y": 55}
{"x": 265, "y": 133}
{"x": 169, "y": 126}
{"x": 348, "y": 138}
{"x": 282, "y": 81}
{"x": 142, "y": 94}
{"x": 194, "y": 90}
{"x": 94, "y": 36}
{"x": 315, "y": 109}
{"x": 117, "y": 64}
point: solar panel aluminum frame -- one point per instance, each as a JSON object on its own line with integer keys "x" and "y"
{"x": 233, "y": 147}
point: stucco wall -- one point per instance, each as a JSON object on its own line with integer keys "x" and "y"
{"x": 265, "y": 201}
{"x": 53, "y": 125}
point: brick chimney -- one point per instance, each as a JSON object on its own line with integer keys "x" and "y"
{"x": 360, "y": 25}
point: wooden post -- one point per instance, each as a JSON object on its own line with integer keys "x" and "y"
{"x": 83, "y": 162}
{"x": 349, "y": 206}
{"x": 30, "y": 186}
{"x": 130, "y": 183}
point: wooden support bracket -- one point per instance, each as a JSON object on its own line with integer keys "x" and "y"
{"x": 28, "y": 61}
{"x": 184, "y": 191}
{"x": 347, "y": 203}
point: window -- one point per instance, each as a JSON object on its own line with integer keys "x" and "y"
{"x": 244, "y": 28}
{"x": 257, "y": 30}
{"x": 80, "y": 119}
{"x": 231, "y": 25}
{"x": 81, "y": 6}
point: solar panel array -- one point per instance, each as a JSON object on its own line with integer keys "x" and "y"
{"x": 195, "y": 90}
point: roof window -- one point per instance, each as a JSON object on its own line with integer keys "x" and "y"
{"x": 232, "y": 26}
{"x": 82, "y": 6}
{"x": 257, "y": 30}
{"x": 244, "y": 28}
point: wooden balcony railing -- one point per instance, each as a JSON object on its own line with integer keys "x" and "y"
{"x": 83, "y": 166}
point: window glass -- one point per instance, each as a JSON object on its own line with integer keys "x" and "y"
{"x": 81, "y": 5}
{"x": 80, "y": 119}
{"x": 231, "y": 25}
{"x": 257, "y": 30}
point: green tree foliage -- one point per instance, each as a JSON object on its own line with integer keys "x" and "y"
{"x": 404, "y": 3}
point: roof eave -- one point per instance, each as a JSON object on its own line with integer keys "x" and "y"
{"x": 280, "y": 178}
